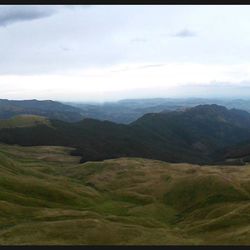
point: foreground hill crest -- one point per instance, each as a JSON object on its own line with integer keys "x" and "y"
{"x": 45, "y": 193}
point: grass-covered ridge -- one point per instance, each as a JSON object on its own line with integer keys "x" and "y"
{"x": 47, "y": 197}
{"x": 199, "y": 135}
{"x": 20, "y": 121}
{"x": 46, "y": 108}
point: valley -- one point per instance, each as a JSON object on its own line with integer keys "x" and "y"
{"x": 124, "y": 125}
{"x": 47, "y": 197}
{"x": 168, "y": 178}
{"x": 205, "y": 134}
{"x": 129, "y": 110}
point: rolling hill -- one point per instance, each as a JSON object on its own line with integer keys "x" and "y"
{"x": 193, "y": 135}
{"x": 49, "y": 109}
{"x": 48, "y": 198}
{"x": 20, "y": 121}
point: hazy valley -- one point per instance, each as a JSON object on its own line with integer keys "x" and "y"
{"x": 202, "y": 134}
{"x": 47, "y": 197}
{"x": 173, "y": 177}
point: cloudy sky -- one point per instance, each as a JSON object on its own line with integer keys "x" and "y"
{"x": 98, "y": 53}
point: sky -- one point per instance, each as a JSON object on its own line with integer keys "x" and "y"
{"x": 104, "y": 53}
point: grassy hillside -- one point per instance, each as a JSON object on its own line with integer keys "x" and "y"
{"x": 46, "y": 197}
{"x": 47, "y": 108}
{"x": 23, "y": 121}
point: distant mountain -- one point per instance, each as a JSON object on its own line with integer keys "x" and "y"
{"x": 126, "y": 111}
{"x": 47, "y": 108}
{"x": 202, "y": 130}
{"x": 193, "y": 135}
{"x": 129, "y": 110}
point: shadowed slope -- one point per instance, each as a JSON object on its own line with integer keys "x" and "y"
{"x": 193, "y": 135}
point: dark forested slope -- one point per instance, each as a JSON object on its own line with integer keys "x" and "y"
{"x": 193, "y": 135}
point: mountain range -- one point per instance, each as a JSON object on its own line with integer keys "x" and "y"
{"x": 128, "y": 110}
{"x": 167, "y": 178}
{"x": 204, "y": 134}
{"x": 123, "y": 111}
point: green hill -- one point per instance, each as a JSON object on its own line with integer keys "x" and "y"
{"x": 47, "y": 197}
{"x": 46, "y": 108}
{"x": 195, "y": 135}
{"x": 24, "y": 121}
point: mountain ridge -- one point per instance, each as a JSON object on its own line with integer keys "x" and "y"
{"x": 128, "y": 110}
{"x": 193, "y": 135}
{"x": 47, "y": 108}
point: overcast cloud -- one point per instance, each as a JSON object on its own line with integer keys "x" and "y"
{"x": 13, "y": 14}
{"x": 82, "y": 52}
{"x": 185, "y": 33}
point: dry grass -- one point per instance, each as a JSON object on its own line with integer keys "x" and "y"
{"x": 46, "y": 197}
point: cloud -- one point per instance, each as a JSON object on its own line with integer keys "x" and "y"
{"x": 151, "y": 66}
{"x": 185, "y": 33}
{"x": 139, "y": 67}
{"x": 14, "y": 14}
{"x": 65, "y": 48}
{"x": 138, "y": 40}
